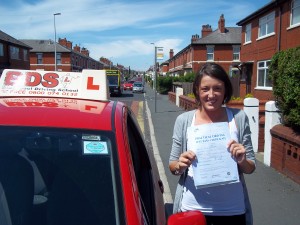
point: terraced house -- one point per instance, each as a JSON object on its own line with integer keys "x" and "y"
{"x": 270, "y": 29}
{"x": 221, "y": 45}
{"x": 69, "y": 58}
{"x": 245, "y": 51}
{"x": 13, "y": 53}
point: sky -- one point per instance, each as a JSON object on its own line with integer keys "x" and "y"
{"x": 123, "y": 31}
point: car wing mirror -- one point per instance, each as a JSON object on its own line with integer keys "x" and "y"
{"x": 187, "y": 218}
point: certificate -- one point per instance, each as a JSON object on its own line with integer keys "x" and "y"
{"x": 214, "y": 164}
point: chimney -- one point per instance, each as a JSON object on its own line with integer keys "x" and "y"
{"x": 206, "y": 30}
{"x": 171, "y": 53}
{"x": 195, "y": 38}
{"x": 85, "y": 52}
{"x": 69, "y": 44}
{"x": 221, "y": 24}
{"x": 76, "y": 48}
{"x": 62, "y": 42}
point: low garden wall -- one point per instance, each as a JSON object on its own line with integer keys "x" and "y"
{"x": 285, "y": 156}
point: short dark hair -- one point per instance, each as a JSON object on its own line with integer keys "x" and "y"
{"x": 216, "y": 71}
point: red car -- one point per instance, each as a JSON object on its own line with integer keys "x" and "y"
{"x": 70, "y": 157}
{"x": 128, "y": 85}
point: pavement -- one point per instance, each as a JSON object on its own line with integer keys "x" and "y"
{"x": 275, "y": 198}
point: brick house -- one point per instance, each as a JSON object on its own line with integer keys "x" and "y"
{"x": 221, "y": 46}
{"x": 272, "y": 28}
{"x": 14, "y": 54}
{"x": 69, "y": 58}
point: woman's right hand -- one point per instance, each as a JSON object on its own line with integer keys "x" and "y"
{"x": 185, "y": 160}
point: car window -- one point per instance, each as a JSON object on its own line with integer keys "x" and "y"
{"x": 143, "y": 169}
{"x": 138, "y": 84}
{"x": 60, "y": 176}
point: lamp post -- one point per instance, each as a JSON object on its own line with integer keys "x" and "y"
{"x": 154, "y": 78}
{"x": 55, "y": 63}
{"x": 110, "y": 62}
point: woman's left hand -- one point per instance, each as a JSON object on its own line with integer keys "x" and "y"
{"x": 237, "y": 150}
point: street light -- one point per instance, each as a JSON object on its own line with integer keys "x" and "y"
{"x": 110, "y": 62}
{"x": 55, "y": 63}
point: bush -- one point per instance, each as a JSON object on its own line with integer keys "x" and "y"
{"x": 284, "y": 71}
{"x": 164, "y": 84}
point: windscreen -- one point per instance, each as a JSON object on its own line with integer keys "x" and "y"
{"x": 53, "y": 176}
{"x": 113, "y": 79}
{"x": 138, "y": 84}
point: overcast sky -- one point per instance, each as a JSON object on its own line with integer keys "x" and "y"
{"x": 121, "y": 30}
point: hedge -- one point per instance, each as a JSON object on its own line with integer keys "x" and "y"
{"x": 284, "y": 71}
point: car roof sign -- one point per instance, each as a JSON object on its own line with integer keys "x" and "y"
{"x": 89, "y": 84}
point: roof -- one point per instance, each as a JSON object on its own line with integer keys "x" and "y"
{"x": 232, "y": 35}
{"x": 260, "y": 11}
{"x": 7, "y": 38}
{"x": 44, "y": 46}
{"x": 57, "y": 112}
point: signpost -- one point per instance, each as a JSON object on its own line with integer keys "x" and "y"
{"x": 159, "y": 55}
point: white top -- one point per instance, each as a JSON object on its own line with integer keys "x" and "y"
{"x": 222, "y": 200}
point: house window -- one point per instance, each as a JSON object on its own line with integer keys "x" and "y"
{"x": 1, "y": 50}
{"x": 236, "y": 53}
{"x": 266, "y": 25}
{"x": 58, "y": 58}
{"x": 295, "y": 12}
{"x": 263, "y": 79}
{"x": 233, "y": 71}
{"x": 210, "y": 53}
{"x": 248, "y": 33}
{"x": 25, "y": 55}
{"x": 14, "y": 52}
{"x": 39, "y": 58}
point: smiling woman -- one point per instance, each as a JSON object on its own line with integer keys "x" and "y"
{"x": 222, "y": 201}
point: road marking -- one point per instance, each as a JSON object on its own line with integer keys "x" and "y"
{"x": 140, "y": 118}
{"x": 167, "y": 193}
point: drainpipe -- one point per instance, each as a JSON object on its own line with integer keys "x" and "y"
{"x": 279, "y": 29}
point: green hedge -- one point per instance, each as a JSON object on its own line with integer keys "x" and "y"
{"x": 284, "y": 71}
{"x": 165, "y": 83}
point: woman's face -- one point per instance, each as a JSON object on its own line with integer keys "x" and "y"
{"x": 211, "y": 93}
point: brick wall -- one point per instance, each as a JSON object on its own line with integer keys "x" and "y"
{"x": 285, "y": 154}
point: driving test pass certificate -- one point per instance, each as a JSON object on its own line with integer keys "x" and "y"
{"x": 213, "y": 164}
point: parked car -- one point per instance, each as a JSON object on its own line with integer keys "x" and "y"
{"x": 128, "y": 85}
{"x": 71, "y": 156}
{"x": 138, "y": 87}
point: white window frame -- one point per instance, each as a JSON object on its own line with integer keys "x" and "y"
{"x": 295, "y": 13}
{"x": 263, "y": 70}
{"x": 39, "y": 58}
{"x": 58, "y": 58}
{"x": 248, "y": 33}
{"x": 236, "y": 49}
{"x": 14, "y": 52}
{"x": 210, "y": 49}
{"x": 1, "y": 49}
{"x": 266, "y": 25}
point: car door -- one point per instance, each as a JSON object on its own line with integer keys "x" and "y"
{"x": 149, "y": 183}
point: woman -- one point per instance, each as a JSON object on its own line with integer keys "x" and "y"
{"x": 221, "y": 204}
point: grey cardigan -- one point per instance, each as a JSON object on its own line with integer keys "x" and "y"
{"x": 179, "y": 145}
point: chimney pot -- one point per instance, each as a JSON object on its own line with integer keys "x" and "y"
{"x": 221, "y": 24}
